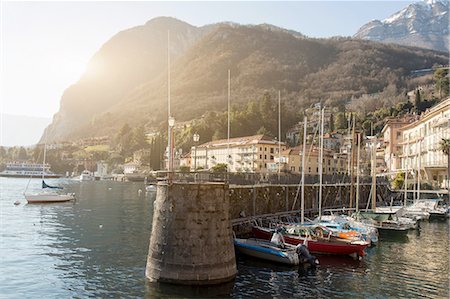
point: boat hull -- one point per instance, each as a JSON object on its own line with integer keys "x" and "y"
{"x": 317, "y": 246}
{"x": 48, "y": 198}
{"x": 269, "y": 253}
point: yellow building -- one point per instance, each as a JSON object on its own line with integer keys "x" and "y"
{"x": 333, "y": 163}
{"x": 392, "y": 137}
{"x": 242, "y": 154}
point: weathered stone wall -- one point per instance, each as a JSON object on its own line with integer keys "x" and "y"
{"x": 258, "y": 200}
{"x": 191, "y": 240}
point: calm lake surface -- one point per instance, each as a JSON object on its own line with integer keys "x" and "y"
{"x": 97, "y": 247}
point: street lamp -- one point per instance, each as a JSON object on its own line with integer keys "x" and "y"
{"x": 171, "y": 143}
{"x": 196, "y": 138}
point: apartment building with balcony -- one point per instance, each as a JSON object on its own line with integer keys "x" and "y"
{"x": 392, "y": 138}
{"x": 421, "y": 140}
{"x": 242, "y": 154}
{"x": 333, "y": 163}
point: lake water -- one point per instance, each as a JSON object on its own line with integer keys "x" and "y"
{"x": 97, "y": 247}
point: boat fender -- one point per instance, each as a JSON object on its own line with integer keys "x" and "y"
{"x": 304, "y": 255}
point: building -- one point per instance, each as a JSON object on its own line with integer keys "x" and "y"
{"x": 102, "y": 169}
{"x": 392, "y": 137}
{"x": 185, "y": 161}
{"x": 332, "y": 141}
{"x": 333, "y": 163}
{"x": 131, "y": 167}
{"x": 421, "y": 140}
{"x": 293, "y": 134}
{"x": 242, "y": 154}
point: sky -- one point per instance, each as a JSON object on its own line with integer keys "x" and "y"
{"x": 45, "y": 46}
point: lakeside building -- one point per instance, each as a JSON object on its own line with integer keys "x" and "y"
{"x": 392, "y": 137}
{"x": 333, "y": 163}
{"x": 421, "y": 140}
{"x": 242, "y": 154}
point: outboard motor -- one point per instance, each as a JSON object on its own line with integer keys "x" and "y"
{"x": 304, "y": 255}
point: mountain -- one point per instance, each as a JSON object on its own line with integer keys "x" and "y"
{"x": 130, "y": 85}
{"x": 422, "y": 24}
{"x": 20, "y": 130}
{"x": 130, "y": 58}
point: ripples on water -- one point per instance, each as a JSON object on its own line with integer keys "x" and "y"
{"x": 97, "y": 247}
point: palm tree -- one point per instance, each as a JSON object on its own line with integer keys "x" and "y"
{"x": 445, "y": 147}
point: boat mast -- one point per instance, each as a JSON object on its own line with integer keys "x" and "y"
{"x": 357, "y": 172}
{"x": 352, "y": 161}
{"x": 302, "y": 205}
{"x": 228, "y": 121}
{"x": 169, "y": 137}
{"x": 418, "y": 170}
{"x": 406, "y": 174}
{"x": 374, "y": 177}
{"x": 279, "y": 134}
{"x": 321, "y": 161}
{"x": 43, "y": 164}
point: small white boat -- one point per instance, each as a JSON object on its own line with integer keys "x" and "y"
{"x": 267, "y": 251}
{"x": 48, "y": 197}
{"x": 86, "y": 176}
{"x": 150, "y": 188}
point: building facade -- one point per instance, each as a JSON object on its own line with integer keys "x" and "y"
{"x": 421, "y": 145}
{"x": 242, "y": 154}
{"x": 333, "y": 163}
{"x": 392, "y": 137}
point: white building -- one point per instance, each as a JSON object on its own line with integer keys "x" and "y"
{"x": 131, "y": 167}
{"x": 242, "y": 154}
{"x": 421, "y": 140}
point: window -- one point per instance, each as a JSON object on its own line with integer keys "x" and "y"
{"x": 309, "y": 169}
{"x": 271, "y": 157}
{"x": 260, "y": 156}
{"x": 265, "y": 149}
{"x": 265, "y": 165}
{"x": 271, "y": 150}
{"x": 265, "y": 156}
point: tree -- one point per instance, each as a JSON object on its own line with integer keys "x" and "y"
{"x": 139, "y": 139}
{"x": 22, "y": 154}
{"x": 398, "y": 181}
{"x": 2, "y": 153}
{"x": 341, "y": 121}
{"x": 220, "y": 167}
{"x": 331, "y": 123}
{"x": 417, "y": 101}
{"x": 441, "y": 82}
{"x": 185, "y": 168}
{"x": 445, "y": 148}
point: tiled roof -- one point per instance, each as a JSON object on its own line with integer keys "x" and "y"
{"x": 239, "y": 141}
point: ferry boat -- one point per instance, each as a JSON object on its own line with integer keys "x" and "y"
{"x": 27, "y": 170}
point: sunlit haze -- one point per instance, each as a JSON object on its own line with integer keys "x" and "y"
{"x": 46, "y": 45}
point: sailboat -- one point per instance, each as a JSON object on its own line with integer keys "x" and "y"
{"x": 48, "y": 193}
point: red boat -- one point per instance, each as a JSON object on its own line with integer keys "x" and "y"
{"x": 317, "y": 244}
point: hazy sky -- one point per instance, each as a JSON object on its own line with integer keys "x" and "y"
{"x": 46, "y": 45}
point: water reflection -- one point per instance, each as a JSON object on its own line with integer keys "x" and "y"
{"x": 97, "y": 247}
{"x": 166, "y": 290}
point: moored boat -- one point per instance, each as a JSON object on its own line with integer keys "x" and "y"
{"x": 48, "y": 197}
{"x": 296, "y": 235}
{"x": 266, "y": 250}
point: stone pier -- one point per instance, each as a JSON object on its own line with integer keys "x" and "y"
{"x": 191, "y": 241}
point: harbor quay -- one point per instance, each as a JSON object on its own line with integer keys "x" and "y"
{"x": 192, "y": 232}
